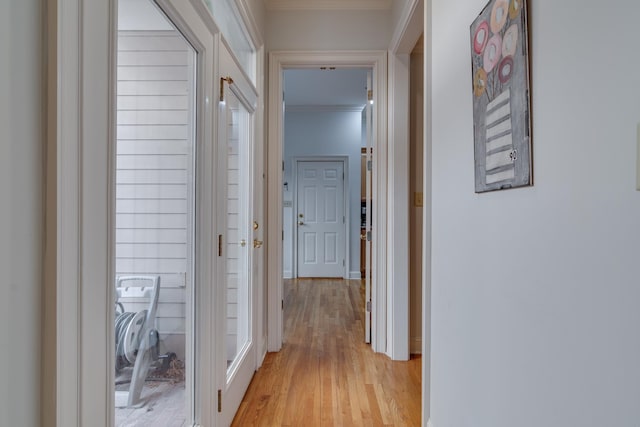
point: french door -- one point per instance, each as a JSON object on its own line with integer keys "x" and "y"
{"x": 238, "y": 248}
{"x": 155, "y": 236}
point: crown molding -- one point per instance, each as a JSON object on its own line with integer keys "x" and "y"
{"x": 328, "y": 4}
{"x": 410, "y": 27}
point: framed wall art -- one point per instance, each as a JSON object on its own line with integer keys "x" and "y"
{"x": 501, "y": 97}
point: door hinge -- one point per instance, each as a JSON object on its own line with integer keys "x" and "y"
{"x": 283, "y": 165}
{"x": 282, "y": 234}
{"x": 343, "y": 263}
{"x": 369, "y": 164}
{"x": 219, "y": 400}
{"x": 227, "y": 79}
{"x": 370, "y": 95}
{"x": 282, "y": 303}
{"x": 343, "y": 220}
{"x": 368, "y": 236}
{"x": 369, "y": 306}
{"x": 219, "y": 244}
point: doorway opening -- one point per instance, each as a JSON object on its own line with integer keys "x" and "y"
{"x": 317, "y": 124}
{"x": 324, "y": 134}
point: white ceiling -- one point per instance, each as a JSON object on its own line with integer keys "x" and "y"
{"x": 345, "y": 87}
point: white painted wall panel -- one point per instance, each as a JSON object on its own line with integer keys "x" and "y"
{"x": 328, "y": 30}
{"x": 535, "y": 291}
{"x": 21, "y": 210}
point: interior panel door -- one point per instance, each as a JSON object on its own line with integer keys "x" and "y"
{"x": 320, "y": 219}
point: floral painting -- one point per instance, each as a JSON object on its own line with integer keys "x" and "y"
{"x": 501, "y": 107}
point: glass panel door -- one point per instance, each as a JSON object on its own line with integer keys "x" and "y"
{"x": 155, "y": 220}
{"x": 238, "y": 355}
{"x": 237, "y": 259}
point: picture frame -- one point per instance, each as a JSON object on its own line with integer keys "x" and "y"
{"x": 501, "y": 96}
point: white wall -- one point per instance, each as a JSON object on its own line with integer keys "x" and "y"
{"x": 21, "y": 210}
{"x": 328, "y": 30}
{"x": 323, "y": 133}
{"x": 536, "y": 290}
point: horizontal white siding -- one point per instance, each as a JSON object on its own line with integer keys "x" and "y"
{"x": 234, "y": 249}
{"x": 154, "y": 179}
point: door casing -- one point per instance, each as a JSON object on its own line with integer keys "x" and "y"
{"x": 278, "y": 62}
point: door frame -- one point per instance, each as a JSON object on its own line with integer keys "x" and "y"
{"x": 278, "y": 62}
{"x": 345, "y": 196}
{"x": 81, "y": 134}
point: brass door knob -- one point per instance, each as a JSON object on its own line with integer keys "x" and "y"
{"x": 300, "y": 222}
{"x": 257, "y": 243}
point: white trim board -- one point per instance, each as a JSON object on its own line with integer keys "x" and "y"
{"x": 278, "y": 62}
{"x": 355, "y": 275}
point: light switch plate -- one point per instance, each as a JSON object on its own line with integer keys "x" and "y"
{"x": 638, "y": 161}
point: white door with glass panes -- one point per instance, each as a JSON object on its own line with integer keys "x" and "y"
{"x": 237, "y": 286}
{"x": 156, "y": 236}
{"x": 320, "y": 219}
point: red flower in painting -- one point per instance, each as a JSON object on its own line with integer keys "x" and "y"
{"x": 481, "y": 37}
{"x": 505, "y": 69}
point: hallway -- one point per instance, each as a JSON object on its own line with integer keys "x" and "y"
{"x": 325, "y": 374}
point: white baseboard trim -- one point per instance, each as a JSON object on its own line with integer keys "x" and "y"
{"x": 415, "y": 345}
{"x": 287, "y": 274}
{"x": 355, "y": 275}
{"x": 261, "y": 356}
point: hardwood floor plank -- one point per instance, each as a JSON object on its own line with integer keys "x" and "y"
{"x": 325, "y": 375}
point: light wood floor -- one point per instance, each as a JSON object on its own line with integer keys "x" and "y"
{"x": 325, "y": 375}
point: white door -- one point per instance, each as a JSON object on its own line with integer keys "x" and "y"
{"x": 320, "y": 217}
{"x": 156, "y": 230}
{"x": 369, "y": 206}
{"x": 236, "y": 289}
